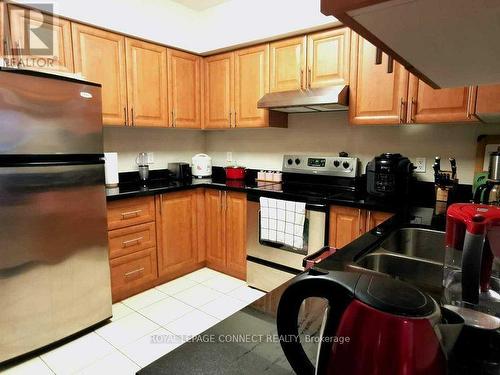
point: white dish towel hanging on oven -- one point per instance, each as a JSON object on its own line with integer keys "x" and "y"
{"x": 282, "y": 222}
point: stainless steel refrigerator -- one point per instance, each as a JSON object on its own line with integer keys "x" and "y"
{"x": 54, "y": 269}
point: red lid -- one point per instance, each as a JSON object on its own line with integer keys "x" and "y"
{"x": 478, "y": 218}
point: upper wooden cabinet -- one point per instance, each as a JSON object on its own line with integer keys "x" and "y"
{"x": 146, "y": 83}
{"x": 488, "y": 103}
{"x": 428, "y": 105}
{"x": 184, "y": 89}
{"x": 219, "y": 90}
{"x": 177, "y": 232}
{"x": 328, "y": 58}
{"x": 59, "y": 55}
{"x": 288, "y": 64}
{"x": 376, "y": 96}
{"x": 100, "y": 57}
{"x": 234, "y": 82}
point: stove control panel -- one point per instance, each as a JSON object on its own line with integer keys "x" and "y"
{"x": 338, "y": 166}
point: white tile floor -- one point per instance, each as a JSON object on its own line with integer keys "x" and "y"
{"x": 147, "y": 326}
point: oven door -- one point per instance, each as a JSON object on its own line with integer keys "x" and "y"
{"x": 270, "y": 265}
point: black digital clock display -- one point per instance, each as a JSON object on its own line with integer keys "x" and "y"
{"x": 316, "y": 162}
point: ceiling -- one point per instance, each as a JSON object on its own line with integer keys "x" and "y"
{"x": 200, "y": 5}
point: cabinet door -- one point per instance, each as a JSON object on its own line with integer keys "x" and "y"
{"x": 215, "y": 222}
{"x": 488, "y": 103}
{"x": 100, "y": 58}
{"x": 346, "y": 224}
{"x": 375, "y": 96}
{"x": 177, "y": 232}
{"x": 235, "y": 207}
{"x": 288, "y": 64}
{"x": 375, "y": 218}
{"x": 428, "y": 105}
{"x": 146, "y": 83}
{"x": 219, "y": 91}
{"x": 251, "y": 82}
{"x": 184, "y": 89}
{"x": 328, "y": 58}
{"x": 60, "y": 58}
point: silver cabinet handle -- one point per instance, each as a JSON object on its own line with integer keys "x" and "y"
{"x": 225, "y": 201}
{"x": 132, "y": 242}
{"x": 173, "y": 118}
{"x": 132, "y": 116}
{"x": 125, "y": 115}
{"x": 230, "y": 117}
{"x": 359, "y": 221}
{"x": 301, "y": 79}
{"x": 402, "y": 108}
{"x": 368, "y": 219}
{"x": 309, "y": 79}
{"x": 127, "y": 274}
{"x": 135, "y": 213}
{"x": 234, "y": 119}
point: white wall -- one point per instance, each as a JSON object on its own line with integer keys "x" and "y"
{"x": 168, "y": 145}
{"x": 329, "y": 133}
{"x": 164, "y": 21}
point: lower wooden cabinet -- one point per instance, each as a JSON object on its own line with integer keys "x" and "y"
{"x": 225, "y": 216}
{"x": 133, "y": 273}
{"x": 177, "y": 228}
{"x": 348, "y": 223}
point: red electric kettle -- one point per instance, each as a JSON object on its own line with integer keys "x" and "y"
{"x": 373, "y": 325}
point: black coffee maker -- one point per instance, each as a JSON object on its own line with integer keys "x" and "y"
{"x": 389, "y": 176}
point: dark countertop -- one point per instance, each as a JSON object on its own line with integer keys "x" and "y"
{"x": 257, "y": 349}
{"x": 254, "y": 189}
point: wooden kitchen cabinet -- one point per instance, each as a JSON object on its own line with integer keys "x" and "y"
{"x": 61, "y": 56}
{"x": 219, "y": 91}
{"x": 288, "y": 64}
{"x": 132, "y": 211}
{"x": 375, "y": 96}
{"x": 215, "y": 224}
{"x": 250, "y": 84}
{"x": 375, "y": 218}
{"x": 234, "y": 83}
{"x": 236, "y": 229}
{"x": 349, "y": 223}
{"x": 428, "y": 105}
{"x": 177, "y": 230}
{"x": 488, "y": 103}
{"x": 226, "y": 231}
{"x": 184, "y": 89}
{"x": 100, "y": 57}
{"x": 328, "y": 58}
{"x": 346, "y": 224}
{"x": 146, "y": 83}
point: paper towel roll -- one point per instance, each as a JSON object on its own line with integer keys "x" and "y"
{"x": 111, "y": 168}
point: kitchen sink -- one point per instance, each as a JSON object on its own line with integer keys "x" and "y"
{"x": 416, "y": 242}
{"x": 413, "y": 255}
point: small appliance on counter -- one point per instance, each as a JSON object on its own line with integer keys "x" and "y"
{"x": 373, "y": 325}
{"x": 235, "y": 173}
{"x": 111, "y": 169}
{"x": 142, "y": 161}
{"x": 201, "y": 166}
{"x": 471, "y": 281}
{"x": 389, "y": 176}
{"x": 489, "y": 191}
{"x": 180, "y": 171}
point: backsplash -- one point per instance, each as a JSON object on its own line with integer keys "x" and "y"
{"x": 168, "y": 145}
{"x": 323, "y": 133}
{"x": 330, "y": 133}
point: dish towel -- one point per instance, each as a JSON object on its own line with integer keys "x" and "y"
{"x": 282, "y": 222}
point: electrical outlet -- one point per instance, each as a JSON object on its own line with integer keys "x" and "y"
{"x": 229, "y": 156}
{"x": 420, "y": 165}
{"x": 151, "y": 158}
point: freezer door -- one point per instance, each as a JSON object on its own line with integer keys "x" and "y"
{"x": 54, "y": 268}
{"x": 41, "y": 115}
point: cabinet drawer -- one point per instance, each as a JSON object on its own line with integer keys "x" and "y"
{"x": 132, "y": 211}
{"x": 133, "y": 273}
{"x": 131, "y": 239}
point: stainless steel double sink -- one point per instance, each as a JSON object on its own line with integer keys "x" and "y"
{"x": 414, "y": 255}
